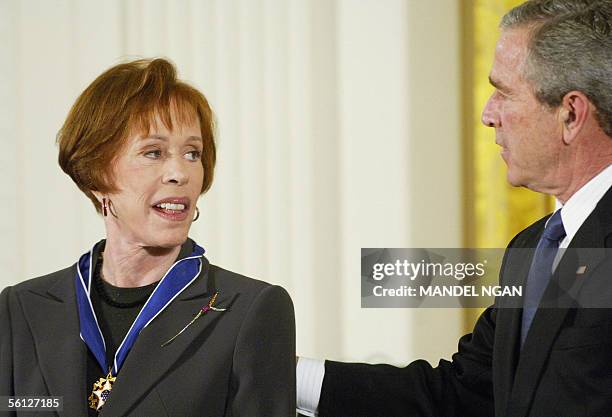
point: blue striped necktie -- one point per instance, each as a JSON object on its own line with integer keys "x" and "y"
{"x": 541, "y": 269}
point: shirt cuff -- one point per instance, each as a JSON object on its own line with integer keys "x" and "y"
{"x": 309, "y": 374}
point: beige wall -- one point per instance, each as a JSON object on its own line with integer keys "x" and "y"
{"x": 338, "y": 129}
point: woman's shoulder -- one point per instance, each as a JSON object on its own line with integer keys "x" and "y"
{"x": 45, "y": 282}
{"x": 250, "y": 289}
{"x": 235, "y": 281}
{"x": 257, "y": 308}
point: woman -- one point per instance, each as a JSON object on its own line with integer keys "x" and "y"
{"x": 142, "y": 324}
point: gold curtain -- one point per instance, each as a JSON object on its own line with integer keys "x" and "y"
{"x": 493, "y": 210}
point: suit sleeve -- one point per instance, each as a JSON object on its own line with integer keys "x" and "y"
{"x": 264, "y": 358}
{"x": 458, "y": 388}
{"x": 6, "y": 349}
{"x": 462, "y": 387}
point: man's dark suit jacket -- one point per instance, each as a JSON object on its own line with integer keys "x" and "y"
{"x": 563, "y": 370}
{"x": 235, "y": 363}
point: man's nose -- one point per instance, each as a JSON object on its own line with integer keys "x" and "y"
{"x": 490, "y": 116}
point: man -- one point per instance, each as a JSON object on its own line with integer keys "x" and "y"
{"x": 552, "y": 113}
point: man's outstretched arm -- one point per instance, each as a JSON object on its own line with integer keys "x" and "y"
{"x": 462, "y": 387}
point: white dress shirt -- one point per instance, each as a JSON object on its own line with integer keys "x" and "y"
{"x": 310, "y": 372}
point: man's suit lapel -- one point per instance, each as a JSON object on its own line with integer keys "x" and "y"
{"x": 508, "y": 321}
{"x": 53, "y": 319}
{"x": 148, "y": 362}
{"x": 562, "y": 288}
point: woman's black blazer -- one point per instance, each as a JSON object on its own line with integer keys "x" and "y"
{"x": 235, "y": 363}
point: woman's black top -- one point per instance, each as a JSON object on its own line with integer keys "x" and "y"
{"x": 116, "y": 309}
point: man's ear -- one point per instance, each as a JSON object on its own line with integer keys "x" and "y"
{"x": 575, "y": 110}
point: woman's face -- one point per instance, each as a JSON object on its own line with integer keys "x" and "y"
{"x": 159, "y": 176}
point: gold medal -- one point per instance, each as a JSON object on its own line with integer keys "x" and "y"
{"x": 101, "y": 391}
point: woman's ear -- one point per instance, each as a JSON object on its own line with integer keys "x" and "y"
{"x": 103, "y": 202}
{"x": 98, "y": 195}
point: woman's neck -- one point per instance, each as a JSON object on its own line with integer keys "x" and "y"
{"x": 131, "y": 265}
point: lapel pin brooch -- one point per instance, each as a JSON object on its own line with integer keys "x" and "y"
{"x": 201, "y": 312}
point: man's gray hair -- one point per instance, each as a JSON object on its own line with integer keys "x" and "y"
{"x": 570, "y": 49}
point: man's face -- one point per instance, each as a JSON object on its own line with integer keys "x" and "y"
{"x": 529, "y": 132}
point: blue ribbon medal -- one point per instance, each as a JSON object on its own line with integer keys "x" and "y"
{"x": 180, "y": 275}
